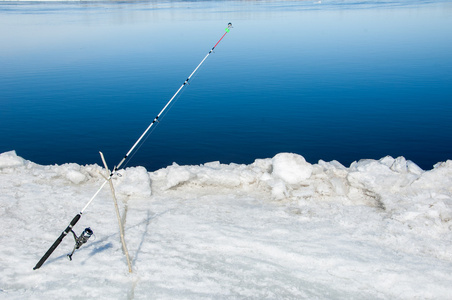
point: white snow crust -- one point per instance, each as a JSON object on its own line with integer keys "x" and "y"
{"x": 279, "y": 228}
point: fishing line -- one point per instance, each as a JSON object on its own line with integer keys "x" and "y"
{"x": 152, "y": 129}
{"x": 162, "y": 116}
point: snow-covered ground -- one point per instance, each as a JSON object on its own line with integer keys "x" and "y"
{"x": 279, "y": 228}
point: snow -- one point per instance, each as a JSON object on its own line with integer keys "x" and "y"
{"x": 279, "y": 228}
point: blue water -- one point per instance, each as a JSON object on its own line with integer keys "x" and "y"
{"x": 339, "y": 80}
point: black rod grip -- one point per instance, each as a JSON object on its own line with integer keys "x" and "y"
{"x": 58, "y": 241}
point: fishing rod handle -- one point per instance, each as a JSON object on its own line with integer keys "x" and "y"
{"x": 58, "y": 241}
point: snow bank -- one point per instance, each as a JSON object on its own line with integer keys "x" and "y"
{"x": 277, "y": 228}
{"x": 396, "y": 186}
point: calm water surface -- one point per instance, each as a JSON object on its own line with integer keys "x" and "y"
{"x": 336, "y": 80}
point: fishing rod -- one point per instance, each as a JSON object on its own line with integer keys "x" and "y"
{"x": 88, "y": 232}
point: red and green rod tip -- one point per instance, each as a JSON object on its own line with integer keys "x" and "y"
{"x": 227, "y": 30}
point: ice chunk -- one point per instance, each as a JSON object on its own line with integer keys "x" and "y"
{"x": 10, "y": 159}
{"x": 134, "y": 182}
{"x": 291, "y": 168}
{"x": 75, "y": 176}
{"x": 278, "y": 190}
{"x": 177, "y": 175}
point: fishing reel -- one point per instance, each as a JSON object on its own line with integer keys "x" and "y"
{"x": 80, "y": 240}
